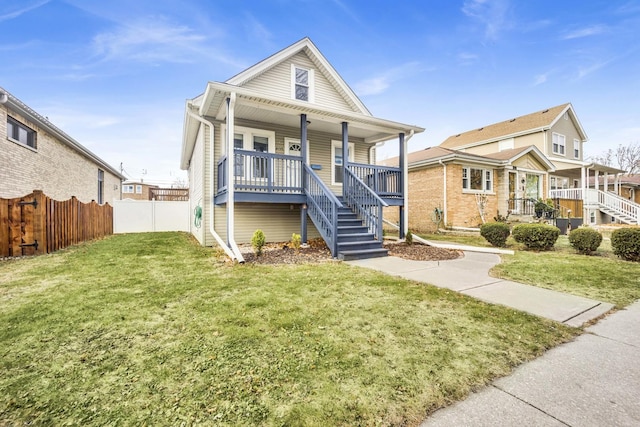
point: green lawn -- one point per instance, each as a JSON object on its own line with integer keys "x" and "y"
{"x": 602, "y": 276}
{"x": 151, "y": 329}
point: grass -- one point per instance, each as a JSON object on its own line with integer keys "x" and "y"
{"x": 601, "y": 276}
{"x": 151, "y": 329}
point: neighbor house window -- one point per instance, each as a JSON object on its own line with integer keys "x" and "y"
{"x": 100, "y": 186}
{"x": 17, "y": 132}
{"x": 138, "y": 189}
{"x": 127, "y": 189}
{"x": 302, "y": 83}
{"x": 576, "y": 148}
{"x": 558, "y": 143}
{"x": 476, "y": 179}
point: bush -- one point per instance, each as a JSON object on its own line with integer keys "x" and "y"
{"x": 537, "y": 237}
{"x": 409, "y": 238}
{"x": 585, "y": 240}
{"x": 257, "y": 241}
{"x": 296, "y": 241}
{"x": 495, "y": 233}
{"x": 625, "y": 243}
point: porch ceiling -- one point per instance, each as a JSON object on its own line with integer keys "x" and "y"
{"x": 253, "y": 106}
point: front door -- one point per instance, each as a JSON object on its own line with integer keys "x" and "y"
{"x": 293, "y": 170}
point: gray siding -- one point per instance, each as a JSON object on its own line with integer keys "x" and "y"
{"x": 277, "y": 82}
{"x": 570, "y": 132}
{"x": 196, "y": 185}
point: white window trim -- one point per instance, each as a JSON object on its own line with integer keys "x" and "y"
{"x": 338, "y": 144}
{"x": 138, "y": 189}
{"x": 576, "y": 147}
{"x": 484, "y": 180}
{"x": 555, "y": 140}
{"x": 127, "y": 188}
{"x": 311, "y": 76}
{"x": 247, "y": 137}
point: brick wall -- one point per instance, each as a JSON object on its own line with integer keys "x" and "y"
{"x": 426, "y": 194}
{"x": 53, "y": 167}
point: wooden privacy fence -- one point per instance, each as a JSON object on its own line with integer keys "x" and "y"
{"x": 35, "y": 224}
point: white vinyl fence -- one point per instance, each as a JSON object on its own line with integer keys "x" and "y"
{"x": 136, "y": 216}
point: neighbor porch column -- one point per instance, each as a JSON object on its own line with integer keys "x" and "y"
{"x": 403, "y": 184}
{"x": 583, "y": 187}
{"x": 303, "y": 176}
{"x": 345, "y": 156}
{"x": 606, "y": 181}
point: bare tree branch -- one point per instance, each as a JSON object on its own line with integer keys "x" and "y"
{"x": 625, "y": 157}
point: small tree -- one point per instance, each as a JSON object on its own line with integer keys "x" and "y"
{"x": 257, "y": 241}
{"x": 296, "y": 241}
{"x": 409, "y": 238}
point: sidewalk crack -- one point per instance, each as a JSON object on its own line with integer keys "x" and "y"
{"x": 531, "y": 405}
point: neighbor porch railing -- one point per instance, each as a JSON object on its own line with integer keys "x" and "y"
{"x": 254, "y": 171}
{"x": 383, "y": 180}
{"x": 322, "y": 208}
{"x": 366, "y": 204}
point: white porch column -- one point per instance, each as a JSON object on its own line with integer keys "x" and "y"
{"x": 583, "y": 187}
{"x": 606, "y": 181}
{"x": 596, "y": 180}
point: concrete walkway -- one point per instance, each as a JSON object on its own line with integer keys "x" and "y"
{"x": 470, "y": 276}
{"x": 591, "y": 381}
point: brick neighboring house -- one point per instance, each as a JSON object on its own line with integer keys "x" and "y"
{"x": 37, "y": 155}
{"x": 504, "y": 168}
{"x": 136, "y": 190}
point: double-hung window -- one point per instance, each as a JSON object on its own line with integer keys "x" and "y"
{"x": 302, "y": 83}
{"x": 477, "y": 179}
{"x": 257, "y": 165}
{"x": 100, "y": 186}
{"x": 20, "y": 133}
{"x": 576, "y": 149}
{"x": 127, "y": 189}
{"x": 558, "y": 144}
{"x": 138, "y": 189}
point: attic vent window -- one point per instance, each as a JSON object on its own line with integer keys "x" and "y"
{"x": 512, "y": 120}
{"x": 302, "y": 83}
{"x": 545, "y": 111}
{"x": 480, "y": 129}
{"x": 457, "y": 135}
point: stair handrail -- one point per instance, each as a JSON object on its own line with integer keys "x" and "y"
{"x": 365, "y": 202}
{"x": 322, "y": 208}
{"x": 619, "y": 205}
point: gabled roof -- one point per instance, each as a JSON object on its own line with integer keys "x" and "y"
{"x": 23, "y": 109}
{"x": 523, "y": 125}
{"x": 316, "y": 57}
{"x": 435, "y": 155}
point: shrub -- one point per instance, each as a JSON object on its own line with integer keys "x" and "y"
{"x": 257, "y": 241}
{"x": 409, "y": 238}
{"x": 585, "y": 240}
{"x": 495, "y": 233}
{"x": 625, "y": 243}
{"x": 538, "y": 237}
{"x": 296, "y": 240}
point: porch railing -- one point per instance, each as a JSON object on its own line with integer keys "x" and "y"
{"x": 610, "y": 203}
{"x": 365, "y": 202}
{"x": 262, "y": 172}
{"x": 383, "y": 180}
{"x": 524, "y": 206}
{"x": 322, "y": 208}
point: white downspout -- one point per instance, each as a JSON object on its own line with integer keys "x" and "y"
{"x": 215, "y": 235}
{"x": 405, "y": 182}
{"x": 231, "y": 223}
{"x": 444, "y": 192}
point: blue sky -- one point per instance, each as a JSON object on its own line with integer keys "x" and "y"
{"x": 115, "y": 74}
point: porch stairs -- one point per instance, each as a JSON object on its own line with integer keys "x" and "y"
{"x": 354, "y": 239}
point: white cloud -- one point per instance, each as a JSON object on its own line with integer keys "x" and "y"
{"x": 585, "y": 32}
{"x": 152, "y": 39}
{"x": 492, "y": 14}
{"x": 467, "y": 58}
{"x": 380, "y": 83}
{"x": 6, "y": 14}
{"x": 584, "y": 71}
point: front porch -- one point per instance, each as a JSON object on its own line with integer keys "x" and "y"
{"x": 278, "y": 178}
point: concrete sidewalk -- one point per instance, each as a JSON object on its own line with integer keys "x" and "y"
{"x": 591, "y": 381}
{"x": 470, "y": 276}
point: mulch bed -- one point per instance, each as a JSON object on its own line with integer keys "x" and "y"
{"x": 317, "y": 251}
